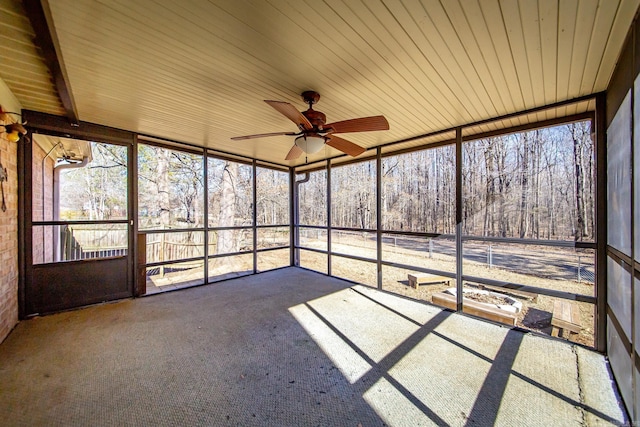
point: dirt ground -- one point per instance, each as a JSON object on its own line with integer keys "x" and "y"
{"x": 535, "y": 315}
{"x": 536, "y": 312}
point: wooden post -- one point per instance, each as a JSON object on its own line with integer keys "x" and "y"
{"x": 141, "y": 256}
{"x": 162, "y": 242}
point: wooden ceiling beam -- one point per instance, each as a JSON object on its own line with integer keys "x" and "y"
{"x": 47, "y": 41}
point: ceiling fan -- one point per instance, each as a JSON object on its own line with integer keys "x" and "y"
{"x": 314, "y": 133}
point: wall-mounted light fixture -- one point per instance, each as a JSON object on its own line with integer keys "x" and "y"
{"x": 14, "y": 131}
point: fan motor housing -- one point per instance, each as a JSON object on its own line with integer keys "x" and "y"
{"x": 317, "y": 118}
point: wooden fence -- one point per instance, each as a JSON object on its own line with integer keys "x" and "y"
{"x": 85, "y": 242}
{"x": 173, "y": 246}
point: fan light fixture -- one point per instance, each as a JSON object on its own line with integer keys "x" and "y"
{"x": 310, "y": 143}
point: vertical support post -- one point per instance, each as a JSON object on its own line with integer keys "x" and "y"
{"x": 329, "y": 217}
{"x": 601, "y": 223}
{"x": 633, "y": 354}
{"x": 25, "y": 218}
{"x": 634, "y": 309}
{"x": 255, "y": 217}
{"x": 459, "y": 287}
{"x": 205, "y": 190}
{"x": 294, "y": 215}
{"x": 430, "y": 248}
{"x": 134, "y": 260}
{"x": 162, "y": 243}
{"x": 141, "y": 261}
{"x": 490, "y": 256}
{"x": 379, "y": 215}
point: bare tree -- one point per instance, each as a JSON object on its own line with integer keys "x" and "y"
{"x": 227, "y": 239}
{"x": 578, "y": 136}
{"x": 524, "y": 185}
{"x": 163, "y": 200}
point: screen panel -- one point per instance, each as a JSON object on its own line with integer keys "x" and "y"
{"x": 619, "y": 179}
{"x": 636, "y": 169}
{"x": 619, "y": 294}
{"x": 170, "y": 188}
{"x": 620, "y": 363}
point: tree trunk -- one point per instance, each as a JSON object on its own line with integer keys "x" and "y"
{"x": 227, "y": 239}
{"x": 524, "y": 187}
{"x": 490, "y": 189}
{"x": 164, "y": 201}
{"x": 579, "y": 182}
{"x": 535, "y": 213}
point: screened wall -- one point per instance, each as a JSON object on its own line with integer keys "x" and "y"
{"x": 197, "y": 220}
{"x": 507, "y": 221}
{"x": 623, "y": 222}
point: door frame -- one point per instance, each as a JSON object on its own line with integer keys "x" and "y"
{"x": 41, "y": 123}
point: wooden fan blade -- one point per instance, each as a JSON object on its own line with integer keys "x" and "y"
{"x": 294, "y": 153}
{"x": 363, "y": 124}
{"x": 291, "y": 112}
{"x": 345, "y": 146}
{"x": 261, "y": 135}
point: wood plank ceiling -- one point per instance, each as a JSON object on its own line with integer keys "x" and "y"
{"x": 23, "y": 68}
{"x": 198, "y": 71}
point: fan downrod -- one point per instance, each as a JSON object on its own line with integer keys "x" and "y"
{"x": 316, "y": 118}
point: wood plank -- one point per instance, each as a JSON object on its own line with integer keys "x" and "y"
{"x": 515, "y": 292}
{"x": 531, "y": 31}
{"x": 47, "y": 42}
{"x": 480, "y": 33}
{"x": 566, "y": 315}
{"x": 585, "y": 17}
{"x": 602, "y": 25}
{"x": 12, "y": 16}
{"x": 575, "y": 316}
{"x": 173, "y": 69}
{"x": 8, "y": 34}
{"x": 431, "y": 64}
{"x": 548, "y": 10}
{"x": 446, "y": 39}
{"x": 473, "y": 51}
{"x": 567, "y": 10}
{"x": 624, "y": 17}
{"x": 409, "y": 51}
{"x": 53, "y": 107}
{"x": 375, "y": 49}
{"x": 141, "y": 260}
{"x": 515, "y": 34}
{"x": 495, "y": 22}
{"x": 475, "y": 308}
{"x": 20, "y": 78}
{"x": 426, "y": 279}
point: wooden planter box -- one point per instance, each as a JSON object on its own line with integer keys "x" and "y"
{"x": 475, "y": 308}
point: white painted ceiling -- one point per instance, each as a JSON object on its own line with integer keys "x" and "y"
{"x": 198, "y": 71}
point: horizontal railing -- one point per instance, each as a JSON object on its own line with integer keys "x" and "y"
{"x": 581, "y": 274}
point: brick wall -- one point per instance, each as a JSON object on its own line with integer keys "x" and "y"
{"x": 9, "y": 224}
{"x": 9, "y": 240}
{"x": 42, "y": 206}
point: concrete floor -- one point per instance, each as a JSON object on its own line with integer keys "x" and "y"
{"x": 293, "y": 348}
